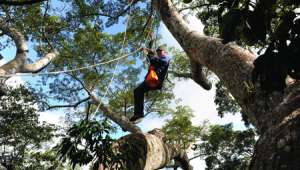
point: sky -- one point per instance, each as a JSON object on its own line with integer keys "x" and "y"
{"x": 192, "y": 95}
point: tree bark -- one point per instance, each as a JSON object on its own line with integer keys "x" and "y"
{"x": 275, "y": 115}
{"x": 148, "y": 151}
{"x": 18, "y": 64}
{"x": 279, "y": 147}
{"x": 229, "y": 62}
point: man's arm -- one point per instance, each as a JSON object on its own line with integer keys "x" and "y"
{"x": 150, "y": 53}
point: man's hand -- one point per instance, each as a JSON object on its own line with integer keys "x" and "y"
{"x": 145, "y": 49}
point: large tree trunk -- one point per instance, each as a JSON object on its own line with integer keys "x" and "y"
{"x": 279, "y": 147}
{"x": 279, "y": 144}
{"x": 276, "y": 115}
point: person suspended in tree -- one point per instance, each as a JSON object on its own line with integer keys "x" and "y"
{"x": 154, "y": 79}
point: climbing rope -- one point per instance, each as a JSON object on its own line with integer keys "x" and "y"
{"x": 117, "y": 65}
{"x": 72, "y": 70}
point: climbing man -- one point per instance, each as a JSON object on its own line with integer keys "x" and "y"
{"x": 154, "y": 79}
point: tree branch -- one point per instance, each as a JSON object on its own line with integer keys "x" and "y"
{"x": 197, "y": 156}
{"x": 40, "y": 64}
{"x": 15, "y": 64}
{"x": 121, "y": 120}
{"x": 81, "y": 83}
{"x": 289, "y": 106}
{"x": 75, "y": 105}
{"x": 20, "y": 3}
{"x": 18, "y": 64}
{"x": 192, "y": 7}
{"x": 199, "y": 76}
{"x": 182, "y": 159}
{"x": 17, "y": 36}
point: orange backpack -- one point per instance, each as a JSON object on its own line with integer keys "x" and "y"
{"x": 152, "y": 78}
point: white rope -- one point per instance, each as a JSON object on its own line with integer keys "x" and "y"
{"x": 72, "y": 70}
{"x": 121, "y": 51}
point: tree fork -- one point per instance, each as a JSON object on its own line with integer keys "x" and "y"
{"x": 18, "y": 64}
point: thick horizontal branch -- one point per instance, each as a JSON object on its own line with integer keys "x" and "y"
{"x": 20, "y": 3}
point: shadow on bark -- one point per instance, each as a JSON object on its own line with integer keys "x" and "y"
{"x": 133, "y": 151}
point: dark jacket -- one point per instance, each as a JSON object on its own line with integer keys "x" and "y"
{"x": 160, "y": 64}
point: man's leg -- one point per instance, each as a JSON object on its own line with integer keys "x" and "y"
{"x": 139, "y": 101}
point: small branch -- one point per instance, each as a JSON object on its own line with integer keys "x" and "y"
{"x": 20, "y": 3}
{"x": 82, "y": 84}
{"x": 93, "y": 14}
{"x": 126, "y": 9}
{"x": 197, "y": 156}
{"x": 75, "y": 105}
{"x": 149, "y": 20}
{"x": 87, "y": 116}
{"x": 193, "y": 7}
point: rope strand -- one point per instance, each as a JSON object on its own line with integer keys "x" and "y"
{"x": 72, "y": 70}
{"x": 121, "y": 51}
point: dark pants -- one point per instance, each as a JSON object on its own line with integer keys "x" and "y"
{"x": 139, "y": 98}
